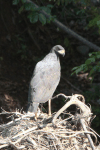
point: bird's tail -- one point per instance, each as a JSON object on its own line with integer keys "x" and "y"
{"x": 32, "y": 107}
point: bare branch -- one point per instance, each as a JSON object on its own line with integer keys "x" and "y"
{"x": 24, "y": 132}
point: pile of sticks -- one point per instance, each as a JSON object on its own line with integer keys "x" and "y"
{"x": 72, "y": 132}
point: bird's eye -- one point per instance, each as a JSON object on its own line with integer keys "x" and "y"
{"x": 58, "y": 49}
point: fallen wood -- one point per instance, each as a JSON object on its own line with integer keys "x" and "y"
{"x": 23, "y": 132}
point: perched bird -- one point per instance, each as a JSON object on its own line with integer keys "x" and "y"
{"x": 45, "y": 79}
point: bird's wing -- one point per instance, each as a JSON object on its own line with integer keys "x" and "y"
{"x": 44, "y": 81}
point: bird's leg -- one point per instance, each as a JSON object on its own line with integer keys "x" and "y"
{"x": 49, "y": 107}
{"x": 35, "y": 109}
{"x": 36, "y": 116}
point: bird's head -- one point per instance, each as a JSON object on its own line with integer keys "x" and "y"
{"x": 58, "y": 49}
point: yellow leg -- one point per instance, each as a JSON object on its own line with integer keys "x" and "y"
{"x": 49, "y": 107}
{"x": 36, "y": 116}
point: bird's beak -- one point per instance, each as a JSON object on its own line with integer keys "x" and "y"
{"x": 62, "y": 52}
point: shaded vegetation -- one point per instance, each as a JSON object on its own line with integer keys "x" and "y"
{"x": 27, "y": 36}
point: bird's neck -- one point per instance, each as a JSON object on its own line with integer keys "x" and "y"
{"x": 55, "y": 52}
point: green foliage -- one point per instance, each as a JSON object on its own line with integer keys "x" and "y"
{"x": 15, "y": 2}
{"x": 90, "y": 94}
{"x": 95, "y": 22}
{"x": 42, "y": 19}
{"x": 33, "y": 16}
{"x": 1, "y": 58}
{"x": 80, "y": 12}
{"x": 34, "y": 13}
{"x": 23, "y": 1}
{"x": 65, "y": 2}
{"x": 66, "y": 42}
{"x": 92, "y": 64}
{"x": 93, "y": 95}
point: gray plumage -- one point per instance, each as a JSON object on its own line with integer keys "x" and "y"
{"x": 45, "y": 78}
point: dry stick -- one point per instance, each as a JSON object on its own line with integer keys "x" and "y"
{"x": 16, "y": 147}
{"x": 12, "y": 144}
{"x": 85, "y": 109}
{"x": 61, "y": 94}
{"x": 67, "y": 30}
{"x": 29, "y": 139}
{"x": 74, "y": 134}
{"x": 65, "y": 120}
{"x": 82, "y": 121}
{"x": 25, "y": 132}
{"x": 94, "y": 131}
{"x": 5, "y": 145}
{"x": 11, "y": 123}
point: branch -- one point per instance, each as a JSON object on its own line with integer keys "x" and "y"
{"x": 61, "y": 94}
{"x": 84, "y": 108}
{"x": 82, "y": 121}
{"x": 85, "y": 115}
{"x": 69, "y": 31}
{"x": 24, "y": 132}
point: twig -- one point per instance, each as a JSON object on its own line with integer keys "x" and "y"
{"x": 25, "y": 132}
{"x": 11, "y": 123}
{"x": 5, "y": 145}
{"x": 61, "y": 94}
{"x": 93, "y": 131}
{"x": 54, "y": 145}
{"x": 42, "y": 134}
{"x": 74, "y": 134}
{"x": 16, "y": 147}
{"x": 82, "y": 121}
{"x": 32, "y": 141}
{"x": 11, "y": 113}
{"x": 65, "y": 120}
{"x": 85, "y": 109}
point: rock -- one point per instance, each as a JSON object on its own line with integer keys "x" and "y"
{"x": 83, "y": 49}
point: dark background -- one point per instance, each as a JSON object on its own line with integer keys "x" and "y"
{"x": 19, "y": 53}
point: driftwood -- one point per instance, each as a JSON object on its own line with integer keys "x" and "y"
{"x": 71, "y": 132}
{"x": 69, "y": 31}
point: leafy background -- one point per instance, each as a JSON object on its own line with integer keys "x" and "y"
{"x": 27, "y": 36}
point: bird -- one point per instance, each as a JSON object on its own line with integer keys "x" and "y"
{"x": 45, "y": 79}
